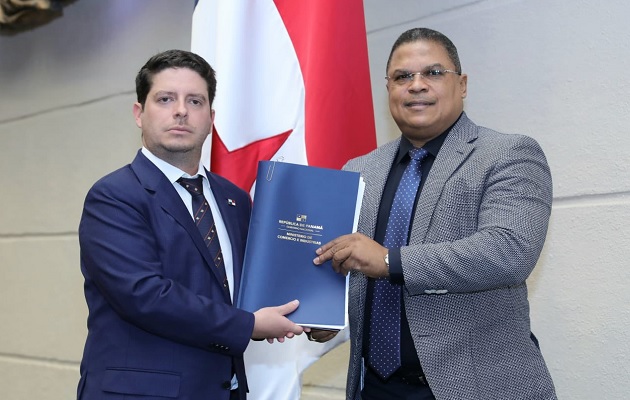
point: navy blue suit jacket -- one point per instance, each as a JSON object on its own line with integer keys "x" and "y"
{"x": 160, "y": 324}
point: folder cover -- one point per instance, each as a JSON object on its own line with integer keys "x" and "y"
{"x": 297, "y": 209}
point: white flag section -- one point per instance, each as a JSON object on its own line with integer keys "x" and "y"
{"x": 274, "y": 371}
{"x": 293, "y": 85}
{"x": 260, "y": 90}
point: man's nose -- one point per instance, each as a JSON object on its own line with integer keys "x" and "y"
{"x": 418, "y": 82}
{"x": 181, "y": 111}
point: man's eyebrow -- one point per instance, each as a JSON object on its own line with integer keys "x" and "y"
{"x": 201, "y": 95}
{"x": 172, "y": 93}
{"x": 424, "y": 68}
{"x": 434, "y": 65}
{"x": 164, "y": 93}
{"x": 402, "y": 70}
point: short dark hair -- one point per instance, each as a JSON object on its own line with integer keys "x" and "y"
{"x": 174, "y": 59}
{"x": 419, "y": 34}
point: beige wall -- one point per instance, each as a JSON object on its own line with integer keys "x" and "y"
{"x": 66, "y": 91}
{"x": 555, "y": 70}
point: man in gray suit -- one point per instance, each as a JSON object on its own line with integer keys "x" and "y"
{"x": 443, "y": 312}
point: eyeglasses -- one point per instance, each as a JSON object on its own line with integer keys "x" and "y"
{"x": 432, "y": 74}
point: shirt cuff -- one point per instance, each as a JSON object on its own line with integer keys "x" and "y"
{"x": 395, "y": 267}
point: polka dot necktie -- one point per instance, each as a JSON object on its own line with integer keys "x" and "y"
{"x": 205, "y": 222}
{"x": 384, "y": 343}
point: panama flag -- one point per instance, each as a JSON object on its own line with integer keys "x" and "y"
{"x": 294, "y": 86}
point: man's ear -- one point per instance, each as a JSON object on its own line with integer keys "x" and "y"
{"x": 137, "y": 114}
{"x": 463, "y": 85}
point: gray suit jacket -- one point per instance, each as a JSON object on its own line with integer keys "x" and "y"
{"x": 478, "y": 230}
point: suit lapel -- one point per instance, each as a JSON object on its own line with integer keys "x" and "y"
{"x": 374, "y": 172}
{"x": 229, "y": 215}
{"x": 375, "y": 176}
{"x": 456, "y": 148}
{"x": 167, "y": 197}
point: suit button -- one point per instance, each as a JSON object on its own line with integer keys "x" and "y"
{"x": 226, "y": 385}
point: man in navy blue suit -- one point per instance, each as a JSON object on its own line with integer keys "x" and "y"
{"x": 162, "y": 324}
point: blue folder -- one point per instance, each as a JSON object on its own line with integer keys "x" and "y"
{"x": 297, "y": 209}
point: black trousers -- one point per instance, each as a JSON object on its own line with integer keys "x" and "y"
{"x": 376, "y": 389}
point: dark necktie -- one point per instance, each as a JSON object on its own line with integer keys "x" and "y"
{"x": 205, "y": 222}
{"x": 384, "y": 343}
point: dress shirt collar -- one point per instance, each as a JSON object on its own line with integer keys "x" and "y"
{"x": 433, "y": 146}
{"x": 172, "y": 173}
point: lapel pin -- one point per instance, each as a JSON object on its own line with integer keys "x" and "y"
{"x": 231, "y": 203}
